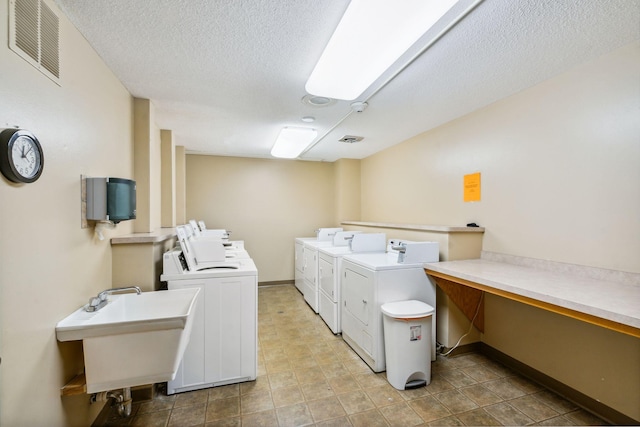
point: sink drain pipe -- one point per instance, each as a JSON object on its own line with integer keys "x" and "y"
{"x": 120, "y": 399}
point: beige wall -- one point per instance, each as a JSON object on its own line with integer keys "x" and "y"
{"x": 560, "y": 167}
{"x": 49, "y": 265}
{"x": 266, "y": 203}
{"x": 347, "y": 189}
{"x": 559, "y": 163}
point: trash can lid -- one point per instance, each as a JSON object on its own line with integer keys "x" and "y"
{"x": 407, "y": 309}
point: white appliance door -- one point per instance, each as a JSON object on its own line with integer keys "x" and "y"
{"x": 326, "y": 277}
{"x": 357, "y": 294}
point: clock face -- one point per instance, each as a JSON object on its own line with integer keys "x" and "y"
{"x": 26, "y": 156}
{"x": 21, "y": 156}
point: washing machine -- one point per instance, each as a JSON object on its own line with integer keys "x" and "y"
{"x": 224, "y": 339}
{"x": 372, "y": 279}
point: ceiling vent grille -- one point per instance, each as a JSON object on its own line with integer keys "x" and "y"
{"x": 34, "y": 34}
{"x": 350, "y": 139}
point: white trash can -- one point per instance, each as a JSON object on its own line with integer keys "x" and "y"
{"x": 407, "y": 343}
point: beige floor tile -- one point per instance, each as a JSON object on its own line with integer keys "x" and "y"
{"x": 226, "y": 422}
{"x": 151, "y": 419}
{"x": 383, "y": 395}
{"x": 223, "y": 408}
{"x": 455, "y": 401}
{"x": 462, "y": 361}
{"x": 400, "y": 415}
{"x": 287, "y": 396}
{"x": 298, "y": 350}
{"x": 355, "y": 401}
{"x": 156, "y": 405}
{"x": 318, "y": 390}
{"x": 278, "y": 365}
{"x": 325, "y": 409}
{"x": 498, "y": 368}
{"x": 275, "y": 353}
{"x": 326, "y": 357}
{"x": 438, "y": 384}
{"x": 372, "y": 418}
{"x": 370, "y": 380}
{"x": 333, "y": 369}
{"x": 477, "y": 417}
{"x": 458, "y": 378}
{"x": 187, "y": 416}
{"x": 303, "y": 362}
{"x": 294, "y": 415}
{"x": 356, "y": 366}
{"x": 555, "y": 402}
{"x": 192, "y": 398}
{"x": 256, "y": 402}
{"x": 504, "y": 389}
{"x": 335, "y": 422}
{"x": 448, "y": 421}
{"x": 309, "y": 375}
{"x": 480, "y": 373}
{"x": 584, "y": 418}
{"x": 481, "y": 395}
{"x": 429, "y": 408}
{"x": 507, "y": 414}
{"x": 343, "y": 384}
{"x": 282, "y": 379}
{"x": 261, "y": 383}
{"x": 260, "y": 419}
{"x": 524, "y": 384}
{"x": 414, "y": 393}
{"x": 557, "y": 421}
{"x": 533, "y": 408}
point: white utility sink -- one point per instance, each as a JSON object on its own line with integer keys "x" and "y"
{"x": 134, "y": 339}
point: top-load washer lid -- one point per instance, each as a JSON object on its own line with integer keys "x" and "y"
{"x": 411, "y": 309}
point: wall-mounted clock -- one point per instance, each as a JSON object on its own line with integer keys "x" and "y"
{"x": 21, "y": 156}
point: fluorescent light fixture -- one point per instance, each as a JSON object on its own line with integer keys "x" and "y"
{"x": 371, "y": 36}
{"x": 292, "y": 141}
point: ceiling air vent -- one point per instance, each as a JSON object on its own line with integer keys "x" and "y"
{"x": 34, "y": 35}
{"x": 350, "y": 139}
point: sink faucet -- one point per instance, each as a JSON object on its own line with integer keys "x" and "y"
{"x": 97, "y": 302}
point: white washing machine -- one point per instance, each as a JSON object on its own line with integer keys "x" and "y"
{"x": 367, "y": 282}
{"x": 224, "y": 339}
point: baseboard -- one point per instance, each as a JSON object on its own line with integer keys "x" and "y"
{"x": 465, "y": 348}
{"x": 587, "y": 403}
{"x": 276, "y": 283}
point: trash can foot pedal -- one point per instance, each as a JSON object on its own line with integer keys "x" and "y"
{"x": 415, "y": 384}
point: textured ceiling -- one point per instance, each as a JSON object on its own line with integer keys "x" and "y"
{"x": 226, "y": 75}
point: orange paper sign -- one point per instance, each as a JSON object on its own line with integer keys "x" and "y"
{"x": 472, "y": 187}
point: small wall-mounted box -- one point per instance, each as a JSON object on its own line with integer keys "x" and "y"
{"x": 111, "y": 199}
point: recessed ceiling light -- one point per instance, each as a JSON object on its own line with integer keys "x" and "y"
{"x": 308, "y": 119}
{"x": 317, "y": 101}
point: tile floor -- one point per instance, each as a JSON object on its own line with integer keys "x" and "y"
{"x": 308, "y": 376}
